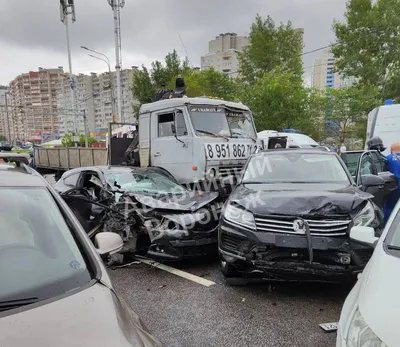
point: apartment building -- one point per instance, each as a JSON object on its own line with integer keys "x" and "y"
{"x": 222, "y": 53}
{"x": 3, "y": 112}
{"x": 33, "y": 104}
{"x": 74, "y": 116}
{"x": 102, "y": 97}
{"x": 324, "y": 74}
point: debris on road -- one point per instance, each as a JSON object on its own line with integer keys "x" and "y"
{"x": 329, "y": 327}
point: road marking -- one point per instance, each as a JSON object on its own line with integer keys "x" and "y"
{"x": 177, "y": 272}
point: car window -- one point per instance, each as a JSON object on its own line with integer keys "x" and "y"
{"x": 295, "y": 167}
{"x": 39, "y": 256}
{"x": 351, "y": 160}
{"x": 71, "y": 180}
{"x": 367, "y": 165}
{"x": 164, "y": 124}
{"x": 379, "y": 161}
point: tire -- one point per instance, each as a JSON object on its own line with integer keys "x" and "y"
{"x": 231, "y": 274}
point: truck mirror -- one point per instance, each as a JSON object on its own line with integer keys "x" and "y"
{"x": 173, "y": 128}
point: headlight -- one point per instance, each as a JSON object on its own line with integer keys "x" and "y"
{"x": 366, "y": 216}
{"x": 361, "y": 335}
{"x": 239, "y": 216}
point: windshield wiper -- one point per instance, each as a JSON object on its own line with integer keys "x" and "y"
{"x": 11, "y": 304}
{"x": 211, "y": 133}
{"x": 393, "y": 248}
{"x": 239, "y": 135}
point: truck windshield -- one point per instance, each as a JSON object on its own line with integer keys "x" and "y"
{"x": 220, "y": 121}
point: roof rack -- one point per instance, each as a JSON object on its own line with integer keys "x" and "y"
{"x": 18, "y": 159}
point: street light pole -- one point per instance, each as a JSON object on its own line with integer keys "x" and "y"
{"x": 116, "y": 5}
{"x": 107, "y": 61}
{"x": 64, "y": 18}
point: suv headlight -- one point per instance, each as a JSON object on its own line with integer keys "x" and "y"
{"x": 239, "y": 216}
{"x": 366, "y": 216}
{"x": 361, "y": 335}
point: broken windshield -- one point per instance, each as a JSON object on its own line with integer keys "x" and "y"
{"x": 143, "y": 182}
{"x": 221, "y": 121}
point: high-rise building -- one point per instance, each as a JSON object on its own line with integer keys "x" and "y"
{"x": 222, "y": 53}
{"x": 70, "y": 117}
{"x": 4, "y": 121}
{"x": 94, "y": 100}
{"x": 33, "y": 97}
{"x": 324, "y": 74}
{"x": 102, "y": 97}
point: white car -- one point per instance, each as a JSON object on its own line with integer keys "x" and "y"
{"x": 370, "y": 313}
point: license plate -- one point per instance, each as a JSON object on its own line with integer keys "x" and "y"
{"x": 229, "y": 151}
{"x": 329, "y": 327}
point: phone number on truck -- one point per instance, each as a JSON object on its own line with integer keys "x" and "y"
{"x": 229, "y": 151}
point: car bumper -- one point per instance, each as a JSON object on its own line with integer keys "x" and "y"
{"x": 289, "y": 257}
{"x": 197, "y": 244}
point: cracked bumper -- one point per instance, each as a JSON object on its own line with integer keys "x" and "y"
{"x": 197, "y": 244}
{"x": 286, "y": 257}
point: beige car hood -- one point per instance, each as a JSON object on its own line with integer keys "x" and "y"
{"x": 92, "y": 317}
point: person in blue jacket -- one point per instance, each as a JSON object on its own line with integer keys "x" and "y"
{"x": 393, "y": 161}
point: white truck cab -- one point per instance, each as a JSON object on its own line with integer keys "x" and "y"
{"x": 384, "y": 122}
{"x": 196, "y": 139}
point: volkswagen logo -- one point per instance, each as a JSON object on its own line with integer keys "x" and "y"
{"x": 299, "y": 226}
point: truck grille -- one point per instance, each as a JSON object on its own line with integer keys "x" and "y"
{"x": 318, "y": 227}
{"x": 231, "y": 170}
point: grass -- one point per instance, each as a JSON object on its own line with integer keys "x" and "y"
{"x": 19, "y": 151}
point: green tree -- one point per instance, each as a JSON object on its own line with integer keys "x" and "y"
{"x": 368, "y": 44}
{"x": 3, "y": 138}
{"x": 271, "y": 47}
{"x": 349, "y": 108}
{"x": 67, "y": 140}
{"x": 277, "y": 101}
{"x": 210, "y": 82}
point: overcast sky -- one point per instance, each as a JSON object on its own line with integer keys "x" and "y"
{"x": 31, "y": 34}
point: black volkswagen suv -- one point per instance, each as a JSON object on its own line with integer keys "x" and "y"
{"x": 290, "y": 215}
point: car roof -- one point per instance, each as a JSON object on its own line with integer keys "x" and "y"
{"x": 295, "y": 150}
{"x": 102, "y": 168}
{"x": 24, "y": 176}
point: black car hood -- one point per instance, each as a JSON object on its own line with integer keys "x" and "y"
{"x": 299, "y": 199}
{"x": 188, "y": 202}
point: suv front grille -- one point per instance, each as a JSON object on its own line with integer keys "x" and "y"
{"x": 318, "y": 227}
{"x": 229, "y": 170}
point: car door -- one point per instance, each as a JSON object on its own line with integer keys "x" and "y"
{"x": 366, "y": 167}
{"x": 173, "y": 152}
{"x": 390, "y": 180}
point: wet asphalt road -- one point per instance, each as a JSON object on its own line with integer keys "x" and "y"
{"x": 182, "y": 313}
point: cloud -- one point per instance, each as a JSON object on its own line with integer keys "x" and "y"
{"x": 32, "y": 34}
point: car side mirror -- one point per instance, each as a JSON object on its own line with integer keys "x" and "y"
{"x": 108, "y": 243}
{"x": 372, "y": 180}
{"x": 365, "y": 235}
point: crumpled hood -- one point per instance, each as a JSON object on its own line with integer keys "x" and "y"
{"x": 299, "y": 199}
{"x": 379, "y": 300}
{"x": 92, "y": 317}
{"x": 189, "y": 202}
